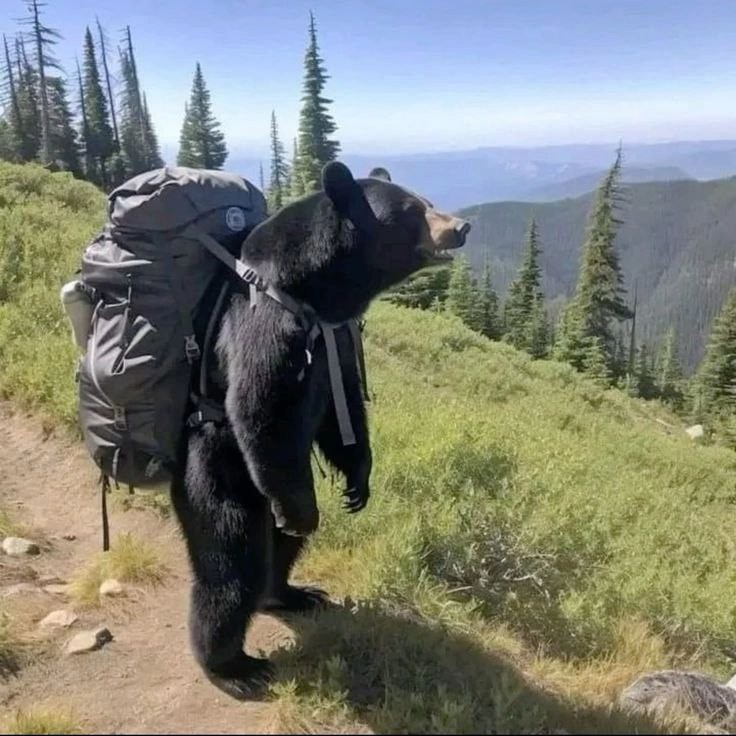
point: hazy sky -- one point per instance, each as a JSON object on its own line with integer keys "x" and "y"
{"x": 430, "y": 75}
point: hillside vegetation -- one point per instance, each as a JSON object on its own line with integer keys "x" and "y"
{"x": 676, "y": 244}
{"x": 532, "y": 544}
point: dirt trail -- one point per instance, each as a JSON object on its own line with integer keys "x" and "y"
{"x": 145, "y": 680}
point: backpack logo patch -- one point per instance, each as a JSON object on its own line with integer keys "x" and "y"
{"x": 235, "y": 219}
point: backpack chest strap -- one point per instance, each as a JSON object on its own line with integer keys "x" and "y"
{"x": 310, "y": 323}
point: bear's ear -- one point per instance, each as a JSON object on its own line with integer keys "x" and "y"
{"x": 347, "y": 196}
{"x": 339, "y": 185}
{"x": 380, "y": 173}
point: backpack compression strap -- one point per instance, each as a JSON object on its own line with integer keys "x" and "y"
{"x": 309, "y": 321}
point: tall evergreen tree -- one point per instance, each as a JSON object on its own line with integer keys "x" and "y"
{"x": 150, "y": 139}
{"x": 261, "y": 177}
{"x": 14, "y": 131}
{"x": 490, "y": 322}
{"x": 598, "y": 299}
{"x": 669, "y": 378}
{"x": 316, "y": 125}
{"x": 642, "y": 382}
{"x": 138, "y": 142}
{"x": 30, "y": 111}
{"x": 99, "y": 144}
{"x": 62, "y": 136}
{"x": 715, "y": 380}
{"x": 43, "y": 39}
{"x": 89, "y": 163}
{"x": 538, "y": 338}
{"x": 522, "y": 317}
{"x": 461, "y": 294}
{"x": 292, "y": 186}
{"x": 202, "y": 144}
{"x": 279, "y": 169}
{"x": 108, "y": 83}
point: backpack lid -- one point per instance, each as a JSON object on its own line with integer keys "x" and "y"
{"x": 173, "y": 196}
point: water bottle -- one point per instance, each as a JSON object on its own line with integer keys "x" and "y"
{"x": 79, "y": 309}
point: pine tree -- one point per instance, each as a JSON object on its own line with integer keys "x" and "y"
{"x": 292, "y": 186}
{"x": 316, "y": 125}
{"x": 138, "y": 142}
{"x": 594, "y": 362}
{"x": 669, "y": 373}
{"x": 461, "y": 295}
{"x": 490, "y": 323}
{"x": 525, "y": 318}
{"x": 30, "y": 111}
{"x": 99, "y": 144}
{"x": 279, "y": 169}
{"x": 13, "y": 131}
{"x": 62, "y": 136}
{"x": 599, "y": 294}
{"x": 538, "y": 338}
{"x": 202, "y": 144}
{"x": 422, "y": 289}
{"x": 261, "y": 179}
{"x": 90, "y": 166}
{"x": 108, "y": 84}
{"x": 151, "y": 147}
{"x": 642, "y": 383}
{"x": 43, "y": 39}
{"x": 715, "y": 380}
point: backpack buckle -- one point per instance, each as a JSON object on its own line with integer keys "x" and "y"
{"x": 191, "y": 349}
{"x": 118, "y": 419}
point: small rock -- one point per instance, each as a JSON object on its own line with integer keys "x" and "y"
{"x": 18, "y": 589}
{"x": 17, "y": 546}
{"x": 111, "y": 588}
{"x": 69, "y": 537}
{"x": 732, "y": 683}
{"x": 670, "y": 690}
{"x": 88, "y": 641}
{"x": 56, "y": 589}
{"x": 696, "y": 433}
{"x": 58, "y": 620}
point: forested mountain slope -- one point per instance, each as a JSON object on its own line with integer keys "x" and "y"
{"x": 677, "y": 244}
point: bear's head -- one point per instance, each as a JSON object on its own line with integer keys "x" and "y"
{"x": 339, "y": 248}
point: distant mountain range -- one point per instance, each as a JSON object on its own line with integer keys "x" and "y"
{"x": 454, "y": 179}
{"x": 677, "y": 245}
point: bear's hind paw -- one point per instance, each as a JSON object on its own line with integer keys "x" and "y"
{"x": 245, "y": 678}
{"x": 296, "y": 599}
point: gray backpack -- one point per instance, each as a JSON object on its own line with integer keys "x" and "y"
{"x": 133, "y": 307}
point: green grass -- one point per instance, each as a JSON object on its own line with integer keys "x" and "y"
{"x": 129, "y": 560}
{"x": 42, "y": 720}
{"x": 45, "y": 221}
{"x": 533, "y": 541}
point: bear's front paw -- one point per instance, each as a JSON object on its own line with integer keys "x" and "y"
{"x": 295, "y": 519}
{"x": 355, "y": 499}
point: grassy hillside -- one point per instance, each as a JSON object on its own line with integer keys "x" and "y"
{"x": 45, "y": 221}
{"x": 532, "y": 544}
{"x": 677, "y": 242}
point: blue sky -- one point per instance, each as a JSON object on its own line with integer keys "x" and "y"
{"x": 430, "y": 75}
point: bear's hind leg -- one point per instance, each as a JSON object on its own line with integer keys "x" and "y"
{"x": 226, "y": 525}
{"x": 281, "y": 596}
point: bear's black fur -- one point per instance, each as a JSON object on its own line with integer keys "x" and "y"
{"x": 244, "y": 494}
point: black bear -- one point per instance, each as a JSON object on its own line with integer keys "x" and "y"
{"x": 244, "y": 493}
